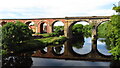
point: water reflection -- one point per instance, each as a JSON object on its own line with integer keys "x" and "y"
{"x": 85, "y": 46}
{"x": 29, "y": 62}
{"x": 59, "y": 49}
{"x": 79, "y": 45}
{"x": 57, "y": 62}
{"x": 102, "y": 47}
{"x": 16, "y": 62}
{"x": 45, "y": 49}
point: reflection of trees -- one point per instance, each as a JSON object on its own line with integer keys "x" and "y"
{"x": 115, "y": 64}
{"x": 58, "y": 49}
{"x": 79, "y": 32}
{"x": 16, "y": 62}
{"x": 107, "y": 41}
{"x": 78, "y": 41}
{"x": 78, "y": 45}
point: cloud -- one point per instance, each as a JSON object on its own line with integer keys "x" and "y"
{"x": 54, "y": 8}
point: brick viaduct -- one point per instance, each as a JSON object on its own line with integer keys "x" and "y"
{"x": 68, "y": 23}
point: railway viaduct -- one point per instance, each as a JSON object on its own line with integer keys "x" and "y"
{"x": 68, "y": 23}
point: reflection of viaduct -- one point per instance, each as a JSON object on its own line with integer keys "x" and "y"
{"x": 68, "y": 23}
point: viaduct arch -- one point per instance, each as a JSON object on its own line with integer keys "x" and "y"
{"x": 57, "y": 21}
{"x": 68, "y": 21}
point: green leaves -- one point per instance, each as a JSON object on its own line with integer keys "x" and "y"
{"x": 77, "y": 29}
{"x": 103, "y": 29}
{"x": 117, "y": 9}
{"x": 14, "y": 34}
{"x": 113, "y": 34}
{"x": 87, "y": 30}
{"x": 59, "y": 30}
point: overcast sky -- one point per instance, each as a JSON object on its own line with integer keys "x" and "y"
{"x": 55, "y": 8}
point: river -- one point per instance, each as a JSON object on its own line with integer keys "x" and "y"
{"x": 86, "y": 48}
{"x": 81, "y": 47}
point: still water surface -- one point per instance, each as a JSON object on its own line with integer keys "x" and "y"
{"x": 86, "y": 48}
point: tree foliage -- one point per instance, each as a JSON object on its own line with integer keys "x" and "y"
{"x": 77, "y": 29}
{"x": 117, "y": 9}
{"x": 111, "y": 31}
{"x": 114, "y": 35}
{"x": 102, "y": 29}
{"x": 87, "y": 30}
{"x": 15, "y": 34}
{"x": 59, "y": 30}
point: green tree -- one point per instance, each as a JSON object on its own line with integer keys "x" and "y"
{"x": 59, "y": 30}
{"x": 117, "y": 9}
{"x": 113, "y": 34}
{"x": 87, "y": 30}
{"x": 102, "y": 30}
{"x": 15, "y": 34}
{"x": 77, "y": 29}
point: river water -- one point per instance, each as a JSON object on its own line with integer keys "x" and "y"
{"x": 81, "y": 47}
{"x": 85, "y": 48}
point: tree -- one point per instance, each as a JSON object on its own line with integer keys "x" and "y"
{"x": 77, "y": 29}
{"x": 102, "y": 29}
{"x": 87, "y": 30}
{"x": 15, "y": 34}
{"x": 114, "y": 34}
{"x": 59, "y": 30}
{"x": 117, "y": 9}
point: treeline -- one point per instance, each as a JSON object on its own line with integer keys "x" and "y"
{"x": 77, "y": 30}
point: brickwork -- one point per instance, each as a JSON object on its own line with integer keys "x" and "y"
{"x": 68, "y": 23}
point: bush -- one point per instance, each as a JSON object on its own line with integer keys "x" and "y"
{"x": 15, "y": 34}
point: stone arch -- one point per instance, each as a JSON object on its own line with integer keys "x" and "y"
{"x": 3, "y": 23}
{"x": 69, "y": 29}
{"x": 57, "y": 23}
{"x": 43, "y": 27}
{"x": 101, "y": 23}
{"x": 31, "y": 25}
{"x": 99, "y": 43}
{"x": 82, "y": 22}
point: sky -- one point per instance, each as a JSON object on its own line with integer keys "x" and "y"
{"x": 11, "y": 9}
